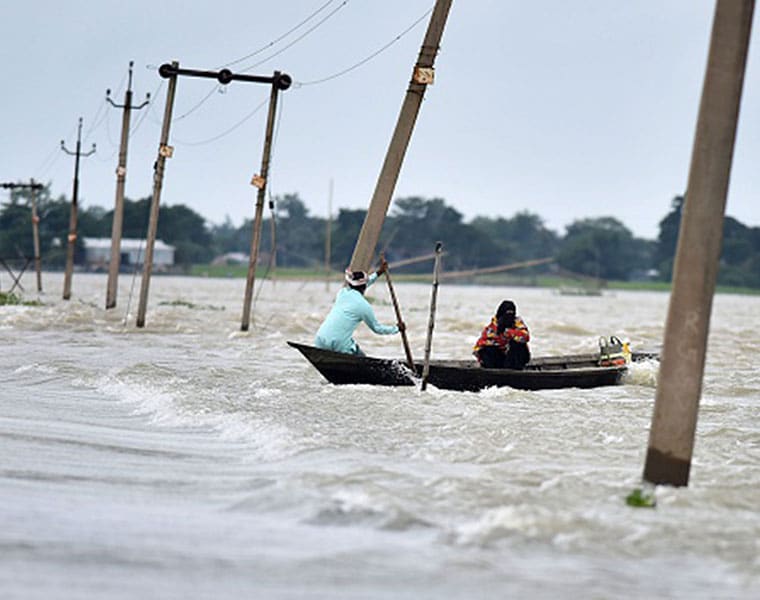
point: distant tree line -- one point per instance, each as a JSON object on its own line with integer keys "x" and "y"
{"x": 602, "y": 248}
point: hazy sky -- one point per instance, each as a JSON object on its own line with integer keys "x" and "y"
{"x": 565, "y": 109}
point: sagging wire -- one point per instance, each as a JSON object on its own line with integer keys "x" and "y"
{"x": 226, "y": 132}
{"x": 49, "y": 161}
{"x": 200, "y": 103}
{"x": 208, "y": 96}
{"x": 298, "y": 39}
{"x": 52, "y": 158}
{"x": 282, "y": 37}
{"x": 368, "y": 58}
{"x": 144, "y": 115}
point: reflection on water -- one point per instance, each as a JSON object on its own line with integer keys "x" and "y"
{"x": 189, "y": 459}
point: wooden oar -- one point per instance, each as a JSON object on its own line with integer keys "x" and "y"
{"x": 431, "y": 322}
{"x": 399, "y": 320}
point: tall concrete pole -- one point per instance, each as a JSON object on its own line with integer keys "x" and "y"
{"x": 72, "y": 237}
{"x": 164, "y": 151}
{"x": 671, "y": 438}
{"x": 386, "y": 182}
{"x": 121, "y": 177}
{"x": 36, "y": 233}
{"x": 259, "y": 181}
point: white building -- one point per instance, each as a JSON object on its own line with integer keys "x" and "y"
{"x": 97, "y": 253}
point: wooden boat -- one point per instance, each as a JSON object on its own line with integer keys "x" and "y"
{"x": 541, "y": 373}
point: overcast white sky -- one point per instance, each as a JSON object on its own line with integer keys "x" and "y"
{"x": 565, "y": 109}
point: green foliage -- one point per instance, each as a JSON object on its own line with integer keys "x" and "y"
{"x": 11, "y": 299}
{"x": 600, "y": 248}
{"x": 740, "y": 255}
{"x": 638, "y": 498}
{"x": 603, "y": 248}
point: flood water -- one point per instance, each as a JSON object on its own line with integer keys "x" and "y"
{"x": 190, "y": 460}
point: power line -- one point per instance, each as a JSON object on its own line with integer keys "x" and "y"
{"x": 208, "y": 96}
{"x": 368, "y": 58}
{"x": 282, "y": 37}
{"x": 298, "y": 39}
{"x": 198, "y": 104}
{"x": 226, "y": 132}
{"x": 143, "y": 116}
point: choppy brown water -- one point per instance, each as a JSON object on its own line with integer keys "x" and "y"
{"x": 189, "y": 460}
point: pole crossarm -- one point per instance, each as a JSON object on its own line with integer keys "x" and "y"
{"x": 281, "y": 81}
{"x": 78, "y": 152}
{"x": 128, "y": 96}
{"x": 22, "y": 186}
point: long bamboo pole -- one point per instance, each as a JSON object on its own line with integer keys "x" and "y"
{"x": 431, "y": 321}
{"x": 499, "y": 269}
{"x": 399, "y": 320}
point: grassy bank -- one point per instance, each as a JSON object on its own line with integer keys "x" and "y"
{"x": 543, "y": 281}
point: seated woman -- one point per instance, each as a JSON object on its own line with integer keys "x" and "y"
{"x": 503, "y": 344}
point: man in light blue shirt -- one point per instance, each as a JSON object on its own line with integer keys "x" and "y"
{"x": 350, "y": 309}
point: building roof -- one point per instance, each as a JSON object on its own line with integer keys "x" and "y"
{"x": 126, "y": 244}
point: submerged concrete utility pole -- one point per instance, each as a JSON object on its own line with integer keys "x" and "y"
{"x": 72, "y": 237}
{"x": 280, "y": 82}
{"x": 121, "y": 176}
{"x": 164, "y": 151}
{"x": 386, "y": 182}
{"x": 671, "y": 438}
{"x": 33, "y": 187}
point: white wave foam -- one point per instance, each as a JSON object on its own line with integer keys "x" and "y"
{"x": 232, "y": 423}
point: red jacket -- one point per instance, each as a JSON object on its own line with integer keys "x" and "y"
{"x": 490, "y": 337}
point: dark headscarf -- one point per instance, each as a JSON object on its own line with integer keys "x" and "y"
{"x": 505, "y": 316}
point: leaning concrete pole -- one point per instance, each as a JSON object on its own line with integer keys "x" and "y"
{"x": 260, "y": 182}
{"x": 121, "y": 176}
{"x": 164, "y": 151}
{"x": 386, "y": 182}
{"x": 671, "y": 439}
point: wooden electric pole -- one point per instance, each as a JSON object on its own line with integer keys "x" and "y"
{"x": 164, "y": 151}
{"x": 421, "y": 76}
{"x": 72, "y": 237}
{"x": 121, "y": 176}
{"x": 671, "y": 438}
